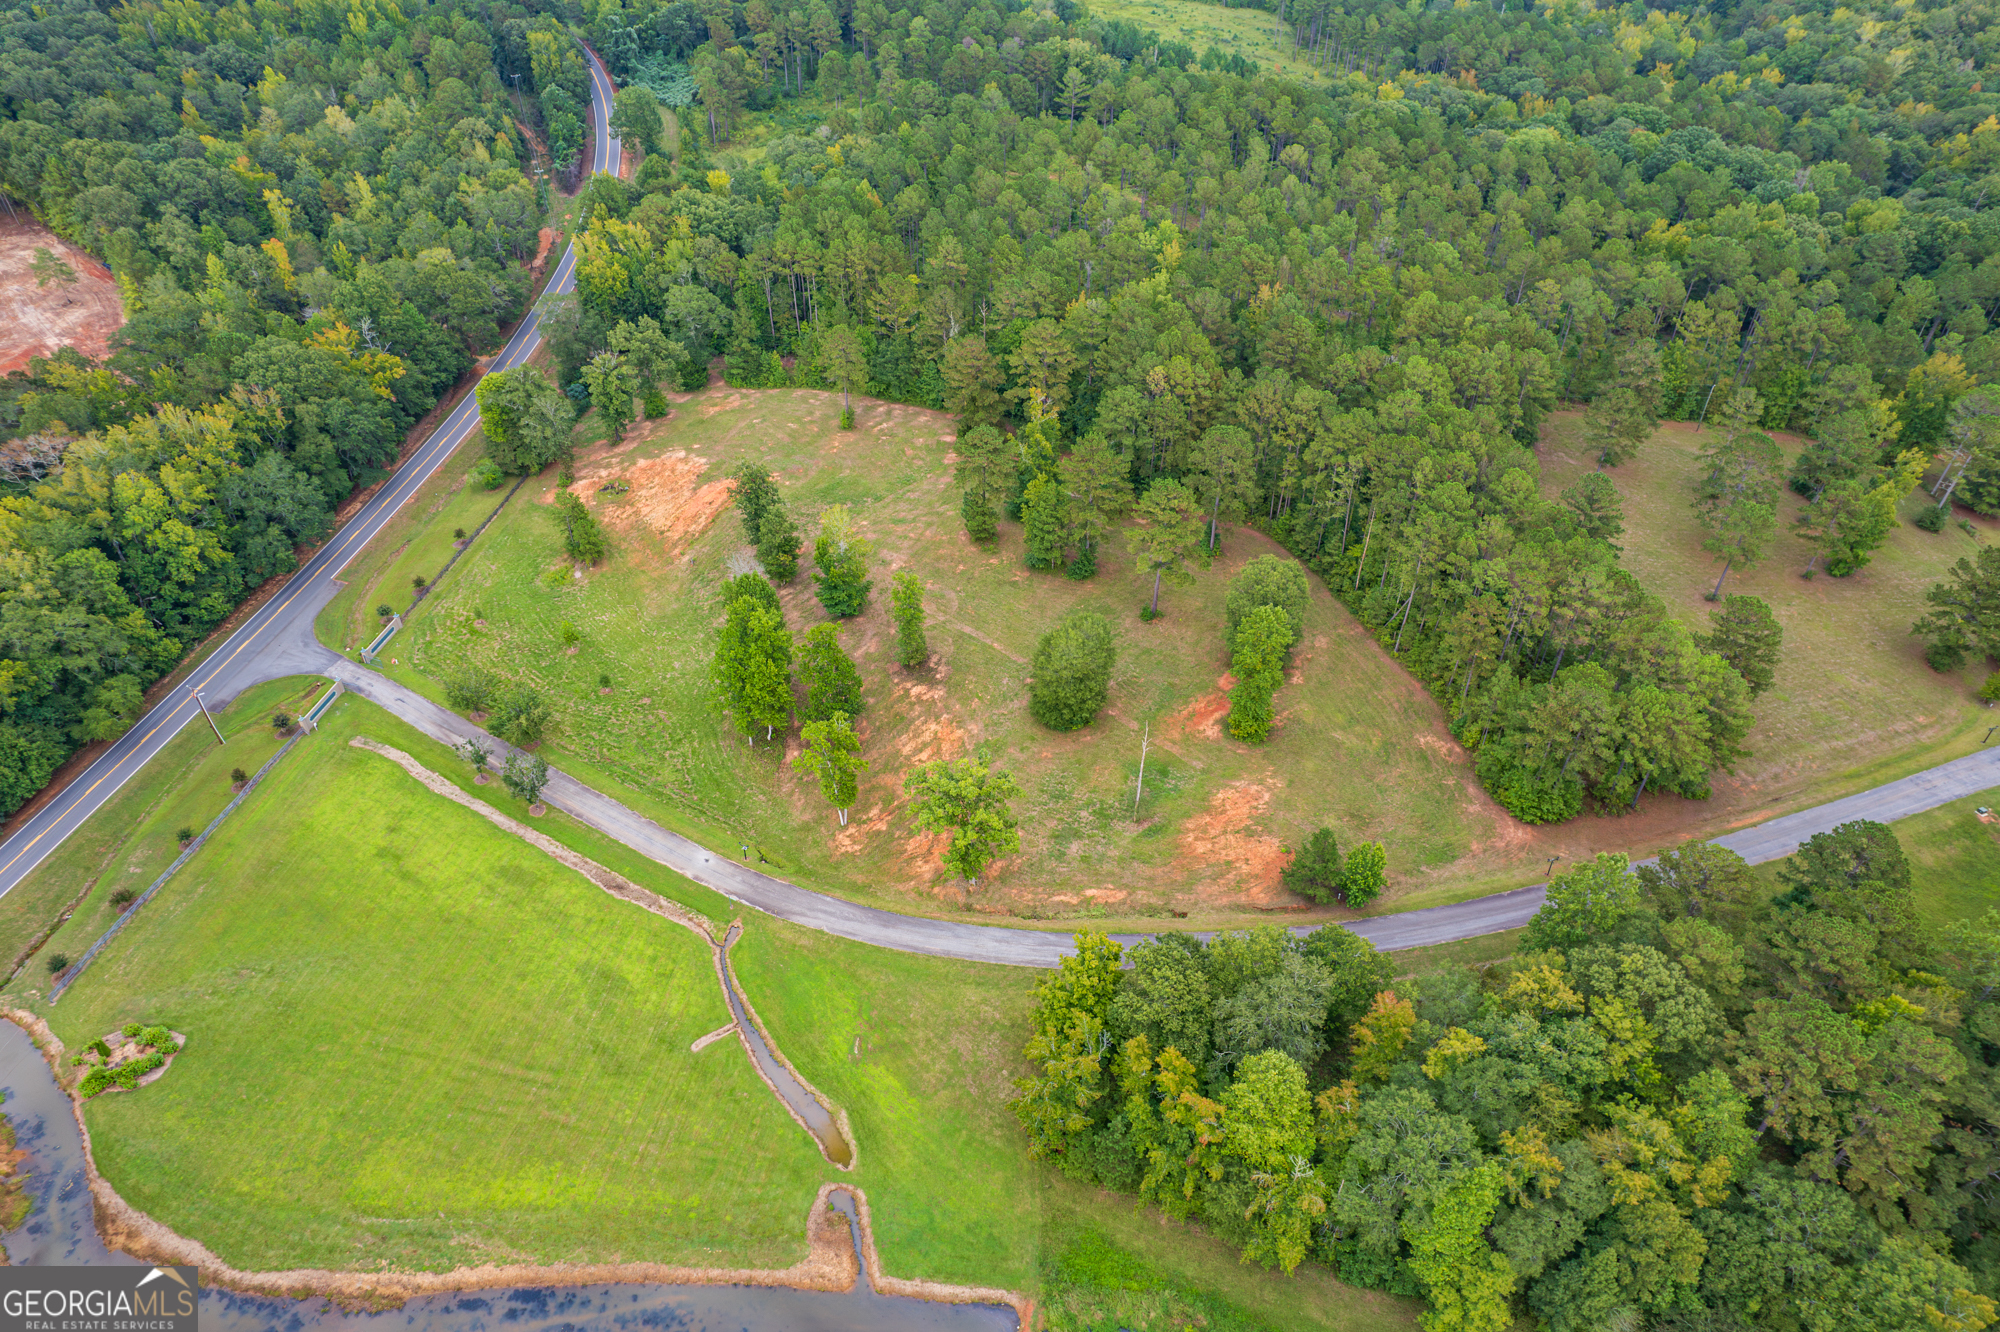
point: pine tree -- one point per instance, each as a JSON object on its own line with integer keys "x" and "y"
{"x": 778, "y": 542}
{"x": 1315, "y": 869}
{"x": 582, "y": 537}
{"x": 1626, "y": 411}
{"x": 985, "y": 470}
{"x": 1744, "y": 633}
{"x": 1042, "y": 523}
{"x": 1262, "y": 638}
{"x": 907, "y": 602}
{"x": 755, "y": 494}
{"x": 831, "y": 682}
{"x": 1095, "y": 492}
{"x": 1169, "y": 537}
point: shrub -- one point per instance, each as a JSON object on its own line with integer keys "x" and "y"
{"x": 385, "y": 610}
{"x": 419, "y": 582}
{"x": 1071, "y": 672}
{"x": 603, "y": 680}
{"x": 847, "y": 418}
{"x": 569, "y": 634}
{"x": 58, "y": 963}
{"x": 655, "y": 404}
{"x": 1933, "y": 518}
{"x": 184, "y": 834}
{"x": 159, "y": 1038}
{"x": 282, "y": 720}
{"x": 122, "y": 897}
{"x": 1990, "y": 691}
{"x": 1524, "y": 794}
{"x": 520, "y": 716}
{"x": 131, "y": 1029}
{"x": 99, "y": 1048}
{"x": 977, "y": 511}
{"x": 238, "y": 777}
{"x": 470, "y": 689}
{"x": 458, "y": 534}
{"x": 487, "y": 475}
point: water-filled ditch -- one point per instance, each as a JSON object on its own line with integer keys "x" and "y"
{"x": 60, "y": 1231}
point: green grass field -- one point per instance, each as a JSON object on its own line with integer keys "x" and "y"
{"x": 132, "y": 838}
{"x": 1359, "y": 747}
{"x": 416, "y": 1042}
{"x": 1854, "y": 704}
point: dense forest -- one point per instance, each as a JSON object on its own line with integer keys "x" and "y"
{"x": 1684, "y": 1104}
{"x": 316, "y": 216}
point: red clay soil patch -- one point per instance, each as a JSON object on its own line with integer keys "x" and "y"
{"x": 544, "y": 239}
{"x": 666, "y": 497}
{"x": 39, "y": 321}
{"x": 1243, "y": 863}
{"x": 1203, "y": 717}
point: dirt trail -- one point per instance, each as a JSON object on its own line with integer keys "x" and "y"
{"x": 37, "y": 321}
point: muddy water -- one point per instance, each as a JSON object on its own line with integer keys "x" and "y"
{"x": 59, "y": 1231}
{"x": 803, "y": 1103}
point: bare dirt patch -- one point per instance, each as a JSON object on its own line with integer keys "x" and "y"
{"x": 1244, "y": 863}
{"x": 1203, "y": 717}
{"x": 666, "y": 497}
{"x": 39, "y": 321}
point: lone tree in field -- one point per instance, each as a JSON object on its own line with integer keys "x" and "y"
{"x": 778, "y": 542}
{"x": 520, "y": 716}
{"x": 842, "y": 556}
{"x": 1365, "y": 874}
{"x": 1262, "y": 640}
{"x": 752, "y": 670}
{"x": 832, "y": 684}
{"x": 1737, "y": 496}
{"x": 906, "y": 599}
{"x": 1071, "y": 673}
{"x": 833, "y": 754}
{"x": 841, "y": 361}
{"x": 525, "y": 778}
{"x": 985, "y": 469}
{"x": 1744, "y": 633}
{"x": 1169, "y": 537}
{"x": 611, "y": 384}
{"x": 582, "y": 537}
{"x": 1315, "y": 870}
{"x": 48, "y": 267}
{"x": 967, "y": 799}
{"x": 754, "y": 493}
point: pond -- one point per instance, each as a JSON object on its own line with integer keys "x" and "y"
{"x": 60, "y": 1231}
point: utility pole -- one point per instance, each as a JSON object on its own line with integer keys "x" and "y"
{"x": 1142, "y": 768}
{"x": 209, "y": 717}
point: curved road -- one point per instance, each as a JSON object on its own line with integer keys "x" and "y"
{"x": 278, "y": 640}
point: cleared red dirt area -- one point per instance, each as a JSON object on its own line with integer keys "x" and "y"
{"x": 38, "y": 321}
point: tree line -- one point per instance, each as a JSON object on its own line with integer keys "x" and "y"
{"x": 1684, "y": 1103}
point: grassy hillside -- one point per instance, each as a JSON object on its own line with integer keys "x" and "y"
{"x": 1854, "y": 703}
{"x": 1358, "y": 748}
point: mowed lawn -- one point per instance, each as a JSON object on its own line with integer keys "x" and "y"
{"x": 418, "y": 1042}
{"x": 1855, "y": 704}
{"x": 1359, "y": 747}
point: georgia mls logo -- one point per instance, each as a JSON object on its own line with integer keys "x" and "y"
{"x": 99, "y": 1299}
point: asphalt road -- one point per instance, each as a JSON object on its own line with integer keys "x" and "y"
{"x": 278, "y": 640}
{"x": 1041, "y": 948}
